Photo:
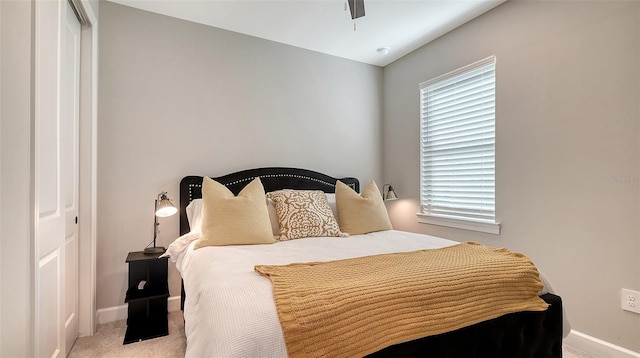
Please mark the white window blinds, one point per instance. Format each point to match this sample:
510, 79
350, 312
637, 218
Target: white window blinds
457, 132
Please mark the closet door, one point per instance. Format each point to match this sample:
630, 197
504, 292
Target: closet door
69, 160
56, 177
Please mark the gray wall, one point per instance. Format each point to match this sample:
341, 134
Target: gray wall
178, 98
568, 155
15, 191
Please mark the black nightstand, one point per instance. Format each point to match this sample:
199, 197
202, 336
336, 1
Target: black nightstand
147, 300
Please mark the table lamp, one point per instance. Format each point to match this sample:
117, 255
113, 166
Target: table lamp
163, 208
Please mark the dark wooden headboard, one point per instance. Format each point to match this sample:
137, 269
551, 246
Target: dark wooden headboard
273, 178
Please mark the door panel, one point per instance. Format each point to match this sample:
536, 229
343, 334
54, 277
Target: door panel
57, 54
69, 163
50, 218
47, 309
47, 141
71, 292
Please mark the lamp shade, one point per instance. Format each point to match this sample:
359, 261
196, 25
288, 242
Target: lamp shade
390, 195
165, 207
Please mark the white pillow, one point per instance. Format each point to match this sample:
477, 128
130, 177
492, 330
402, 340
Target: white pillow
331, 198
194, 215
273, 217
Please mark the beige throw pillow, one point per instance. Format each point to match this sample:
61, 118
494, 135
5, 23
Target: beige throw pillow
304, 213
361, 214
234, 220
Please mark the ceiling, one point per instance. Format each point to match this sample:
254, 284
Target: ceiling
324, 25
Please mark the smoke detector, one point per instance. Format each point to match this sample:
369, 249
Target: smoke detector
383, 50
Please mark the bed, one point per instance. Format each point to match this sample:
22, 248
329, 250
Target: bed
219, 322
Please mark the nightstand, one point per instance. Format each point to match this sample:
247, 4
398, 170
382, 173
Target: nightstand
147, 297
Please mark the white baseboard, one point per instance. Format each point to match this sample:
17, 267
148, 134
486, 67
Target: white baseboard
119, 313
111, 314
597, 347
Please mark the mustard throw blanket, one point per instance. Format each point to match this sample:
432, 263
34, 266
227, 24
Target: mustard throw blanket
353, 307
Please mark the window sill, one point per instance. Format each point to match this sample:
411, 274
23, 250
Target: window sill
460, 223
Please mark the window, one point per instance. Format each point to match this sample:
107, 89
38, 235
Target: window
457, 139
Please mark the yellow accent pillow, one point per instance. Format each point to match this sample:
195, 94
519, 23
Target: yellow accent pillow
361, 214
234, 220
304, 213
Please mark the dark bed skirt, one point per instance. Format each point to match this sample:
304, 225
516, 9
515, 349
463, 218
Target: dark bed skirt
521, 334
515, 335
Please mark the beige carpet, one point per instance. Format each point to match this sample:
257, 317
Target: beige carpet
107, 343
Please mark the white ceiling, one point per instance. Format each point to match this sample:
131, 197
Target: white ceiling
324, 25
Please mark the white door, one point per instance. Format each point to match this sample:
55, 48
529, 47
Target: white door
69, 160
56, 183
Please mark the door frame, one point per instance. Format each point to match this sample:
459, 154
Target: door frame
88, 168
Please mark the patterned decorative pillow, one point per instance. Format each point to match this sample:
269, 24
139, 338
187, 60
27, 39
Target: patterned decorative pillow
304, 213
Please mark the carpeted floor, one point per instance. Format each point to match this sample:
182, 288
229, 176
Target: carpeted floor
107, 343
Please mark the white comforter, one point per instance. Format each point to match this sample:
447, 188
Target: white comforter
229, 308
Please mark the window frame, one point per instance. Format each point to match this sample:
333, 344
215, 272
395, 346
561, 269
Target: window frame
473, 222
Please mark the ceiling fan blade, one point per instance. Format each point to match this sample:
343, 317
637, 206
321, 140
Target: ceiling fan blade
357, 8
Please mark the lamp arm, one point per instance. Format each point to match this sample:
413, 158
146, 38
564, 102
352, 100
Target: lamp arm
155, 223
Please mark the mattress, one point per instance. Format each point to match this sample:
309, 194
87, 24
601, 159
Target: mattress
229, 308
